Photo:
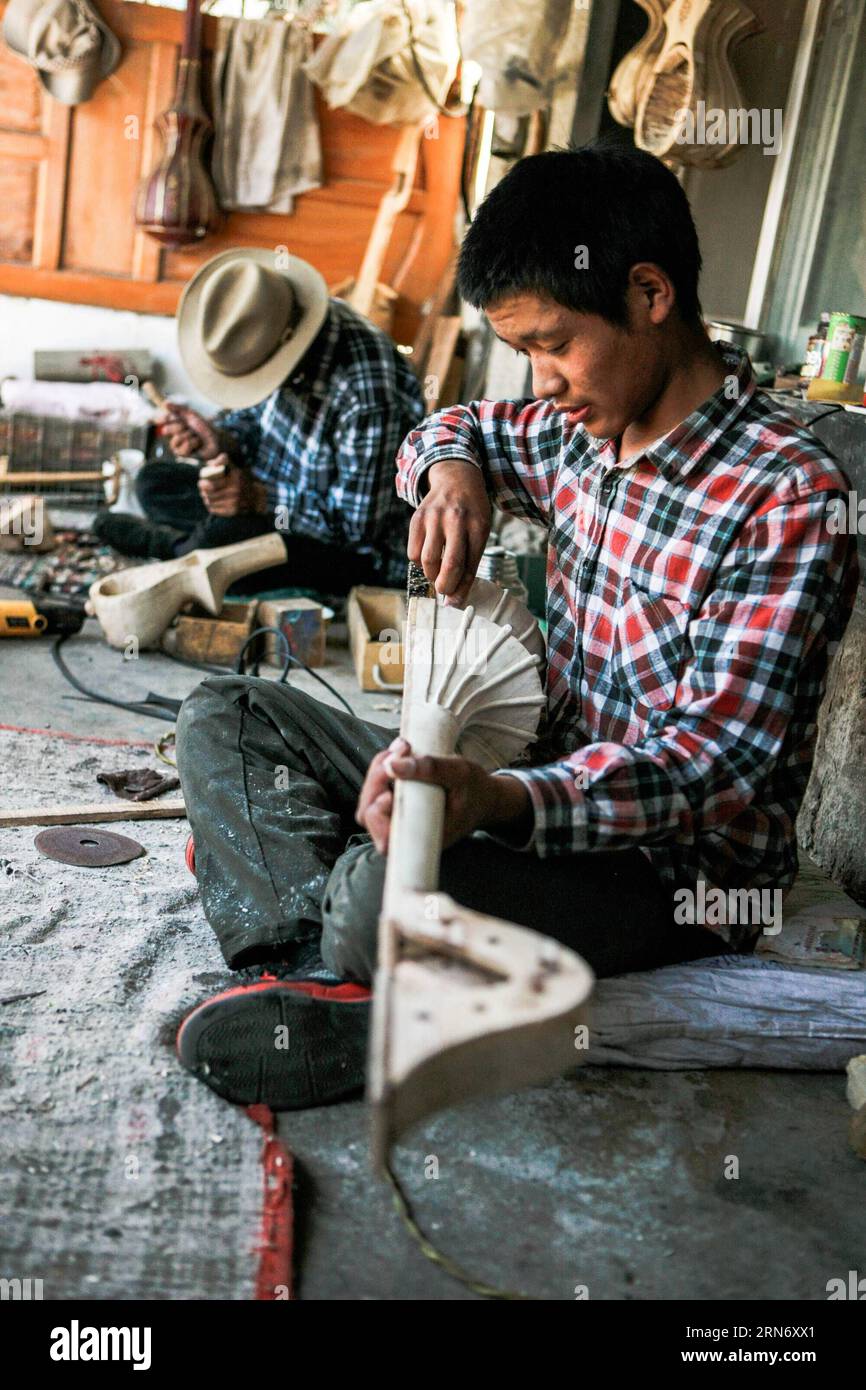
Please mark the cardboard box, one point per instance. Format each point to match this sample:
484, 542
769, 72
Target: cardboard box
376, 618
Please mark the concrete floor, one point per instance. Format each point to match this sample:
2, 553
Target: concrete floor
610, 1179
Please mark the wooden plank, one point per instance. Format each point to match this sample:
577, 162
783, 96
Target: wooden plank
75, 287
104, 168
17, 206
48, 220
20, 92
21, 144
446, 333
92, 814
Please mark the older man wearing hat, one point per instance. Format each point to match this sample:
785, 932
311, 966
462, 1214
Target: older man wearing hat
316, 401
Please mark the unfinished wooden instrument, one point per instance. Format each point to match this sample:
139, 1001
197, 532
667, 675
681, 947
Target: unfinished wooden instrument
693, 66
634, 71
140, 603
368, 294
464, 1004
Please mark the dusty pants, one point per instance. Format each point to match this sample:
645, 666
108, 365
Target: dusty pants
271, 778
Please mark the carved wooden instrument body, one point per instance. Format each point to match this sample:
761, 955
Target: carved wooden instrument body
464, 1004
141, 602
683, 59
367, 293
634, 71
176, 203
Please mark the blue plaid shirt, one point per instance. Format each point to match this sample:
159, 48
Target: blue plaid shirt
324, 443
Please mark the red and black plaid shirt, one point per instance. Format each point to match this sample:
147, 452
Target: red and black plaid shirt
695, 594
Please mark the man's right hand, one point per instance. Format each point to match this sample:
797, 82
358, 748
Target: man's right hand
188, 434
450, 528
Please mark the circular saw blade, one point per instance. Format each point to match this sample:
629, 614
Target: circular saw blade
86, 846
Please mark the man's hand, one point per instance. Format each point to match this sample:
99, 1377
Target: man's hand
450, 528
234, 493
474, 799
189, 435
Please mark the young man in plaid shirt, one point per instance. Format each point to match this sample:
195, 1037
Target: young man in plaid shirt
695, 596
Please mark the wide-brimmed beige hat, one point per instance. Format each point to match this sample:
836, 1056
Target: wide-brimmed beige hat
243, 325
66, 41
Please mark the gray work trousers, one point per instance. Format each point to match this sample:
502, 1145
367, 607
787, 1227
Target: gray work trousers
271, 778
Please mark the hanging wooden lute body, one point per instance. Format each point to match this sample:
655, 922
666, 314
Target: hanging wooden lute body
634, 71
177, 204
692, 66
463, 1004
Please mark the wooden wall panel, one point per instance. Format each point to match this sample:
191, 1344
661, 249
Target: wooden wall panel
20, 100
83, 246
104, 169
18, 180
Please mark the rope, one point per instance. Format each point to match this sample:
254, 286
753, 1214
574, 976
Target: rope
445, 1263
161, 744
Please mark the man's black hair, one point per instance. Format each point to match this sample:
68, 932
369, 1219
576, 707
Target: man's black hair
619, 203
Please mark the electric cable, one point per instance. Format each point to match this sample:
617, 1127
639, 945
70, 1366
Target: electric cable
161, 710
162, 706
449, 1266
291, 660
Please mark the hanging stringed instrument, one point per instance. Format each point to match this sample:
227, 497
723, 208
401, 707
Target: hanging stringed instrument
177, 204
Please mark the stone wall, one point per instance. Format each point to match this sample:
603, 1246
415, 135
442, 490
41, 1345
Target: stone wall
832, 822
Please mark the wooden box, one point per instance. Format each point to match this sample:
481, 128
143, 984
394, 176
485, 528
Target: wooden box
376, 618
196, 636
305, 625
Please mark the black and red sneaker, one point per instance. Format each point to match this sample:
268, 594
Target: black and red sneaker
287, 1044
189, 855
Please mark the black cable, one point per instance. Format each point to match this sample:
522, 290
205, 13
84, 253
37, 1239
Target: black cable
291, 660
162, 706
135, 706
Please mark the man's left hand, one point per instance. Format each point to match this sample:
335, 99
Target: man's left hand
235, 493
474, 799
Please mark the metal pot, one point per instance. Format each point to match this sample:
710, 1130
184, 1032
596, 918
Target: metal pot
749, 339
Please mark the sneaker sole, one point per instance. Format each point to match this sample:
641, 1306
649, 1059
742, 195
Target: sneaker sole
232, 1044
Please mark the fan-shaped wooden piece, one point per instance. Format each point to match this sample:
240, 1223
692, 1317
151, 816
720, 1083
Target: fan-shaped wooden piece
501, 606
463, 1004
676, 73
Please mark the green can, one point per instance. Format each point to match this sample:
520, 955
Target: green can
845, 337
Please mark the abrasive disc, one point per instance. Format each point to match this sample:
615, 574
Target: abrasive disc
86, 846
